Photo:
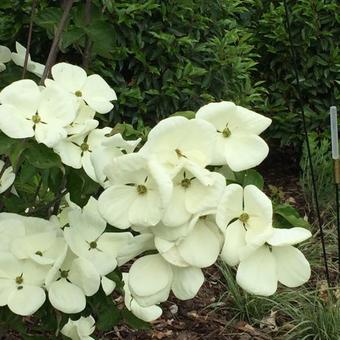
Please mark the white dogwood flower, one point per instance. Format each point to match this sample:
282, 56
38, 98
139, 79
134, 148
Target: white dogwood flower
237, 130
7, 178
245, 217
276, 261
5, 57
18, 58
93, 89
76, 150
87, 239
112, 147
186, 250
147, 314
26, 112
151, 278
80, 329
178, 143
191, 196
68, 282
21, 284
139, 192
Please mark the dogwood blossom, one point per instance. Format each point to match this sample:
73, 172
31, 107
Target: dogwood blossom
87, 239
21, 284
7, 177
190, 196
139, 192
245, 217
147, 314
69, 281
80, 329
237, 129
187, 250
26, 112
179, 143
76, 150
110, 148
5, 57
18, 58
261, 268
92, 89
151, 279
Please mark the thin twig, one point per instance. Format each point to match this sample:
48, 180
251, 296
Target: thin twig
54, 48
29, 39
88, 43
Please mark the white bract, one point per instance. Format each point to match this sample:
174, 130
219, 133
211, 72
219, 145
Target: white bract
87, 239
76, 150
179, 143
147, 314
80, 329
18, 58
276, 261
5, 57
236, 132
21, 284
245, 218
93, 89
27, 111
139, 192
7, 177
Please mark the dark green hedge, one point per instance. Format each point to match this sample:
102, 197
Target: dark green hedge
176, 55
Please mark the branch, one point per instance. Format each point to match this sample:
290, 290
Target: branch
54, 48
29, 39
88, 43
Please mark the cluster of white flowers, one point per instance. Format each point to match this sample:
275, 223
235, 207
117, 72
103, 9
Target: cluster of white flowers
183, 212
18, 58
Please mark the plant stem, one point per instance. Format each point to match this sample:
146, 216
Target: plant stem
29, 39
88, 43
54, 48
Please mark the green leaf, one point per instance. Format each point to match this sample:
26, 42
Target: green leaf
286, 216
250, 177
186, 114
42, 157
133, 321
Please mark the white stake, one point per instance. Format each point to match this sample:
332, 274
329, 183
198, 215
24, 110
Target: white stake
334, 132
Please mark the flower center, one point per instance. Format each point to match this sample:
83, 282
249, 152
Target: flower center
36, 119
185, 183
84, 147
93, 245
141, 189
19, 280
179, 153
244, 217
78, 93
226, 132
39, 253
64, 274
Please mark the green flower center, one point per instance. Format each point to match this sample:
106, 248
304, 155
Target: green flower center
141, 189
93, 245
186, 183
64, 274
84, 147
244, 217
19, 280
226, 132
39, 253
36, 119
78, 93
